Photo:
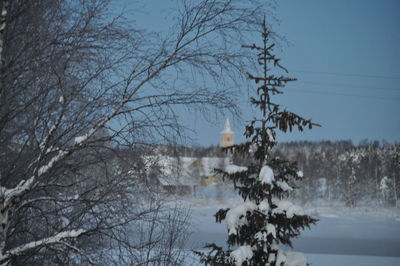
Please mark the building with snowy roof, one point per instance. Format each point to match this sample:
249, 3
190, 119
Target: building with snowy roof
182, 175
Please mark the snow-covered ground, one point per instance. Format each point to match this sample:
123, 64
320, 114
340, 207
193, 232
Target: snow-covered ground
343, 236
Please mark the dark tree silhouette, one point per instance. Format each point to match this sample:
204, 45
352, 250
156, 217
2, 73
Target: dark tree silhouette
265, 220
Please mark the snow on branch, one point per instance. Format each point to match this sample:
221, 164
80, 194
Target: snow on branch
45, 168
266, 175
284, 186
56, 239
233, 169
42, 144
288, 208
236, 217
242, 254
25, 185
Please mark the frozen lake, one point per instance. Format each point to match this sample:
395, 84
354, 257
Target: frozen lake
356, 235
339, 240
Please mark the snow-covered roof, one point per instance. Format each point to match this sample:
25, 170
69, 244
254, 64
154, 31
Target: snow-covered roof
227, 129
175, 181
184, 170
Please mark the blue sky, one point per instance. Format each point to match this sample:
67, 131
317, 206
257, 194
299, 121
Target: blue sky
354, 46
345, 55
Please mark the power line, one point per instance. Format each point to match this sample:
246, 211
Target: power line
347, 85
343, 94
347, 74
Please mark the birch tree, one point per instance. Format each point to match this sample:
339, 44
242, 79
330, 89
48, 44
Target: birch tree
75, 84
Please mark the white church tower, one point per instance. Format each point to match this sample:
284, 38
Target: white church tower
227, 135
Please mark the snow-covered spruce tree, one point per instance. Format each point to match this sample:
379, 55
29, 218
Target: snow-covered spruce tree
265, 220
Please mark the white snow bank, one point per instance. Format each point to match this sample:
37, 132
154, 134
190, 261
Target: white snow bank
232, 169
353, 260
291, 259
241, 254
295, 259
281, 257
266, 175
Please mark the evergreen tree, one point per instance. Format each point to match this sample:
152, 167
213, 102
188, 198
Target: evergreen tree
265, 220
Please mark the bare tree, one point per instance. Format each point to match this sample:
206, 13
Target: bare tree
77, 85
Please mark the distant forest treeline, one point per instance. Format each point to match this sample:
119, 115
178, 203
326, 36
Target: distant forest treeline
367, 173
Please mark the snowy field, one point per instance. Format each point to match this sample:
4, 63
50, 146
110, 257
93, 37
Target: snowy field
343, 236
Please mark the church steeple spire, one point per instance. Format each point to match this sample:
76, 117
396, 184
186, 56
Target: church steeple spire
227, 128
227, 135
